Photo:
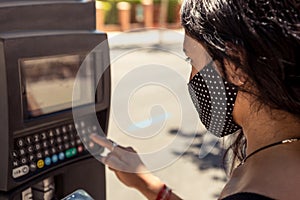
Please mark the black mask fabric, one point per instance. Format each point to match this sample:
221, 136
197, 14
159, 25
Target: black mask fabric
214, 100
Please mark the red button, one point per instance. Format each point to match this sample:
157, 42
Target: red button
79, 149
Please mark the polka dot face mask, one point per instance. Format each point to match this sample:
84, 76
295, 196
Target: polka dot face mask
214, 100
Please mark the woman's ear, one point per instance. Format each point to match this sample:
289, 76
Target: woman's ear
234, 73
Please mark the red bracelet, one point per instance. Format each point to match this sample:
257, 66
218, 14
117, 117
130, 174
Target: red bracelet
161, 192
164, 193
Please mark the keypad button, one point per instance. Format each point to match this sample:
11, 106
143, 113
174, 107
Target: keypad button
76, 126
58, 140
72, 136
47, 161
20, 171
57, 131
43, 136
67, 145
72, 143
36, 138
39, 155
45, 144
23, 161
52, 141
51, 133
71, 152
54, 158
15, 154
40, 164
31, 158
61, 156
20, 142
80, 149
65, 137
32, 167
37, 147
16, 163
22, 152
53, 150
29, 140
30, 149
78, 142
71, 127
64, 129
60, 147
46, 153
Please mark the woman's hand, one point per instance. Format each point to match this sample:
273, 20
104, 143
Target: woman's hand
129, 168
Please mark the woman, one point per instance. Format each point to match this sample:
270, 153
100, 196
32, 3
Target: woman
254, 46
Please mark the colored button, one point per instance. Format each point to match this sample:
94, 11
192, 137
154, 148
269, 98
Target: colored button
61, 156
71, 152
40, 164
47, 161
79, 149
54, 158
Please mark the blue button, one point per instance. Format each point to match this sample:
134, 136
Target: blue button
54, 158
61, 156
47, 161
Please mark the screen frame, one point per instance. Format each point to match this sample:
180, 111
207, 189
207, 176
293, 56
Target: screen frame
25, 111
40, 44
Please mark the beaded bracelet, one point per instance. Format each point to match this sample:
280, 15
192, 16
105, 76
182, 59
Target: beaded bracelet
164, 193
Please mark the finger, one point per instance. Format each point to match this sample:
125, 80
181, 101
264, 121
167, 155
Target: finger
114, 163
102, 141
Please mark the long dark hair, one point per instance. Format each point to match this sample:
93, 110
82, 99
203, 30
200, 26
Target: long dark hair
268, 32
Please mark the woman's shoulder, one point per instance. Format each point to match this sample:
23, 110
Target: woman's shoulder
246, 196
264, 179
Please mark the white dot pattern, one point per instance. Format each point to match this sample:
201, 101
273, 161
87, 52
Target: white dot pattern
214, 100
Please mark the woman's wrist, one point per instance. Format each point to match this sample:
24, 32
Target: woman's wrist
151, 187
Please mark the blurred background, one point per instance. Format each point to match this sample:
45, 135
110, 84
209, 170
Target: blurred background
122, 15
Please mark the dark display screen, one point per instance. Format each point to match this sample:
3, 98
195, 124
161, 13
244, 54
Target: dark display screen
49, 83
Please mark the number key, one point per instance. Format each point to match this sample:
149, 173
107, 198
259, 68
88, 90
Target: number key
29, 140
36, 138
43, 136
20, 142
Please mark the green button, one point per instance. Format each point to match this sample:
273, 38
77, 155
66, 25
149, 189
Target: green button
71, 152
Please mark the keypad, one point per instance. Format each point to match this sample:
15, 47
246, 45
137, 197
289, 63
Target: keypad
50, 147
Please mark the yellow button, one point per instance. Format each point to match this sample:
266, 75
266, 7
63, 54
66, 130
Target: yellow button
40, 164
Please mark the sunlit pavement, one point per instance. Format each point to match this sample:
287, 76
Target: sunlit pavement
180, 168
